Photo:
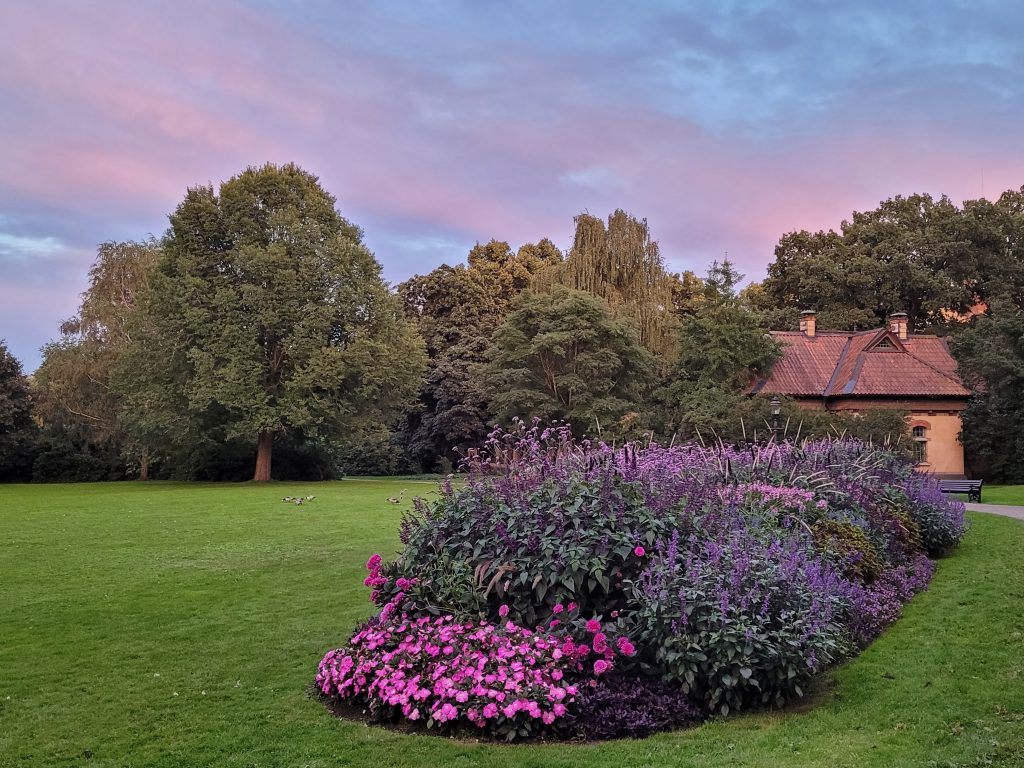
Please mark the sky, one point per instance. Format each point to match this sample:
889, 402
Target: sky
438, 124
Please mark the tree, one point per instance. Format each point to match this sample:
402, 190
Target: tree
912, 254
990, 354
267, 316
456, 316
74, 385
620, 264
457, 310
16, 425
722, 349
560, 355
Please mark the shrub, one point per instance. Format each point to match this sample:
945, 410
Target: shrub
874, 607
941, 522
850, 547
503, 679
717, 579
740, 619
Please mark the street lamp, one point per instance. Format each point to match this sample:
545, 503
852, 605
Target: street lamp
776, 411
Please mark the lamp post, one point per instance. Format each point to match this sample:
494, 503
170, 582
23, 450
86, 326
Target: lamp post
776, 426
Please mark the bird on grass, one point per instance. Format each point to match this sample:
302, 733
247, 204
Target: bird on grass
297, 500
397, 499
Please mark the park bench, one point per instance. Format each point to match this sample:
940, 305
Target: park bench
971, 487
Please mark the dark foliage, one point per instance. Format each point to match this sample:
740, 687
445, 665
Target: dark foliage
622, 706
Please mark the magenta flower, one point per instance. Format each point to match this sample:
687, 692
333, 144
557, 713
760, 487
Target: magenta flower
626, 648
601, 666
558, 608
639, 551
593, 626
503, 611
373, 563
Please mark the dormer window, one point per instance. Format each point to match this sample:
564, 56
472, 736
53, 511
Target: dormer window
884, 344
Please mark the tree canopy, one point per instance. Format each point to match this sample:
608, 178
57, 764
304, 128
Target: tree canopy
621, 264
74, 383
267, 316
561, 355
16, 423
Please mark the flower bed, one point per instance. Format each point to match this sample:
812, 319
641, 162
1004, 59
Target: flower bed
576, 590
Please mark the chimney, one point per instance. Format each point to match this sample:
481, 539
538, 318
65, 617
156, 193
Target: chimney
808, 322
898, 324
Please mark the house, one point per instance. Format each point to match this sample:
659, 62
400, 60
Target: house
880, 368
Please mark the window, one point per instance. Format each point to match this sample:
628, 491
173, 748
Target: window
919, 445
884, 344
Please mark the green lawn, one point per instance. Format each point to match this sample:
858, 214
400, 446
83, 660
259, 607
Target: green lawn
178, 625
1002, 494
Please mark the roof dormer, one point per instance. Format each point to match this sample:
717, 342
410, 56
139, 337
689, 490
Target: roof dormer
885, 341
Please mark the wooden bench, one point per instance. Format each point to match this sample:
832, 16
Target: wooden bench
971, 487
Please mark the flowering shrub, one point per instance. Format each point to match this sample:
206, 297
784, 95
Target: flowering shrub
504, 679
715, 579
876, 606
740, 619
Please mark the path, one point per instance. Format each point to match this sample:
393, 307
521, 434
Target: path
998, 509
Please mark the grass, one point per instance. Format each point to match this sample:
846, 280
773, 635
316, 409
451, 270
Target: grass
1002, 494
178, 625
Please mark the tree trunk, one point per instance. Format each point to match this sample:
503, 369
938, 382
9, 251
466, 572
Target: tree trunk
264, 447
144, 466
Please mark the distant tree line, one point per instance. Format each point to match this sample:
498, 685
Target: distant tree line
257, 339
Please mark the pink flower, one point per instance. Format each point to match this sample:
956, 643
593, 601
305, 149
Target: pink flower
503, 611
600, 643
639, 551
403, 584
601, 666
491, 710
626, 648
373, 563
571, 607
593, 626
448, 712
558, 608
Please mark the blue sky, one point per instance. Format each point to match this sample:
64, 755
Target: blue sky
440, 124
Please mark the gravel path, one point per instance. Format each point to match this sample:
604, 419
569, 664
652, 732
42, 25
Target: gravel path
998, 509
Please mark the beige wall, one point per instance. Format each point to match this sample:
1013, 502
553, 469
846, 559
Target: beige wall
945, 454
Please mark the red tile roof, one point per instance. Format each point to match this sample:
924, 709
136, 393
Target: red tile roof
866, 364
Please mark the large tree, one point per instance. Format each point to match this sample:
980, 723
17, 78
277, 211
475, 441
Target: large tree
16, 425
74, 382
912, 254
561, 355
268, 315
